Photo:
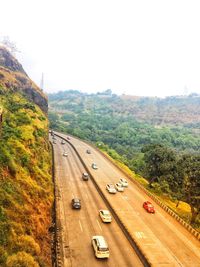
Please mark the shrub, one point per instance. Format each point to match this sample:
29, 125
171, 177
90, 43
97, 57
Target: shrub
21, 259
28, 244
2, 215
22, 118
4, 233
3, 256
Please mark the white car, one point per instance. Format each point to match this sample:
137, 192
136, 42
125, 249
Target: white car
119, 187
65, 154
123, 182
62, 142
105, 215
100, 247
111, 188
94, 166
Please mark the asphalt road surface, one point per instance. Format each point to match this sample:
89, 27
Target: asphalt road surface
78, 226
164, 241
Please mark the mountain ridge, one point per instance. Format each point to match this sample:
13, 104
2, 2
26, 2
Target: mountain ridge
172, 110
13, 76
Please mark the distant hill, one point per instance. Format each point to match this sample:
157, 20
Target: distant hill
125, 124
26, 190
174, 110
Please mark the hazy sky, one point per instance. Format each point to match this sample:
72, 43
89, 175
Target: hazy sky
143, 47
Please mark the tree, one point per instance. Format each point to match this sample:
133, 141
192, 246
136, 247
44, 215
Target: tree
190, 165
11, 46
160, 163
21, 259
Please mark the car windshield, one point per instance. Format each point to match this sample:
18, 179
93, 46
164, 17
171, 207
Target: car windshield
105, 212
103, 249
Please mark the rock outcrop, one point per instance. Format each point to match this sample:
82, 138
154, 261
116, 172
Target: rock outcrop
13, 76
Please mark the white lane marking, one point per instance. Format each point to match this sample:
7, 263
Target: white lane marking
140, 235
80, 225
125, 197
99, 225
72, 195
86, 195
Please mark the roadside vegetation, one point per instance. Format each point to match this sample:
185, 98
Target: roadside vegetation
158, 139
26, 190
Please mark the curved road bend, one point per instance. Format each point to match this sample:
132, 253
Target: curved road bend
78, 226
164, 240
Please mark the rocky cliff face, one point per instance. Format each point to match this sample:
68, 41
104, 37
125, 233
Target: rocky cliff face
13, 77
9, 62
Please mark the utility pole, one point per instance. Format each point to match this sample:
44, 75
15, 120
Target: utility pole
42, 82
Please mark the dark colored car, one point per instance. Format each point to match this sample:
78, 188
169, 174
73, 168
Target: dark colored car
147, 205
76, 203
85, 176
88, 151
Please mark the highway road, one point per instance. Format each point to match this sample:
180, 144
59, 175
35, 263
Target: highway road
164, 241
78, 226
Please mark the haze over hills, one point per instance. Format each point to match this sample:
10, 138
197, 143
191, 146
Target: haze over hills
26, 191
127, 123
174, 110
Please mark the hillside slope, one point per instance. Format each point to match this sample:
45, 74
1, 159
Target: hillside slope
174, 110
126, 124
26, 190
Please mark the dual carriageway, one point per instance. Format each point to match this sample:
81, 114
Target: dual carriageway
135, 237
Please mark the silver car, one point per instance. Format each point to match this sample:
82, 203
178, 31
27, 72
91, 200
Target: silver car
111, 188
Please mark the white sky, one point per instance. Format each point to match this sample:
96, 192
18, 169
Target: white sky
143, 47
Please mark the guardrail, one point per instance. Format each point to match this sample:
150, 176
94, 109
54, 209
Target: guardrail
187, 226
57, 240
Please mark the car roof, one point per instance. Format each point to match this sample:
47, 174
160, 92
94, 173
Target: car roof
101, 241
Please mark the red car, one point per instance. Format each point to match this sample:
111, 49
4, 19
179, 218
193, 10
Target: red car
148, 207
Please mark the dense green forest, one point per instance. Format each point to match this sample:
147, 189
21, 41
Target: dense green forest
135, 130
